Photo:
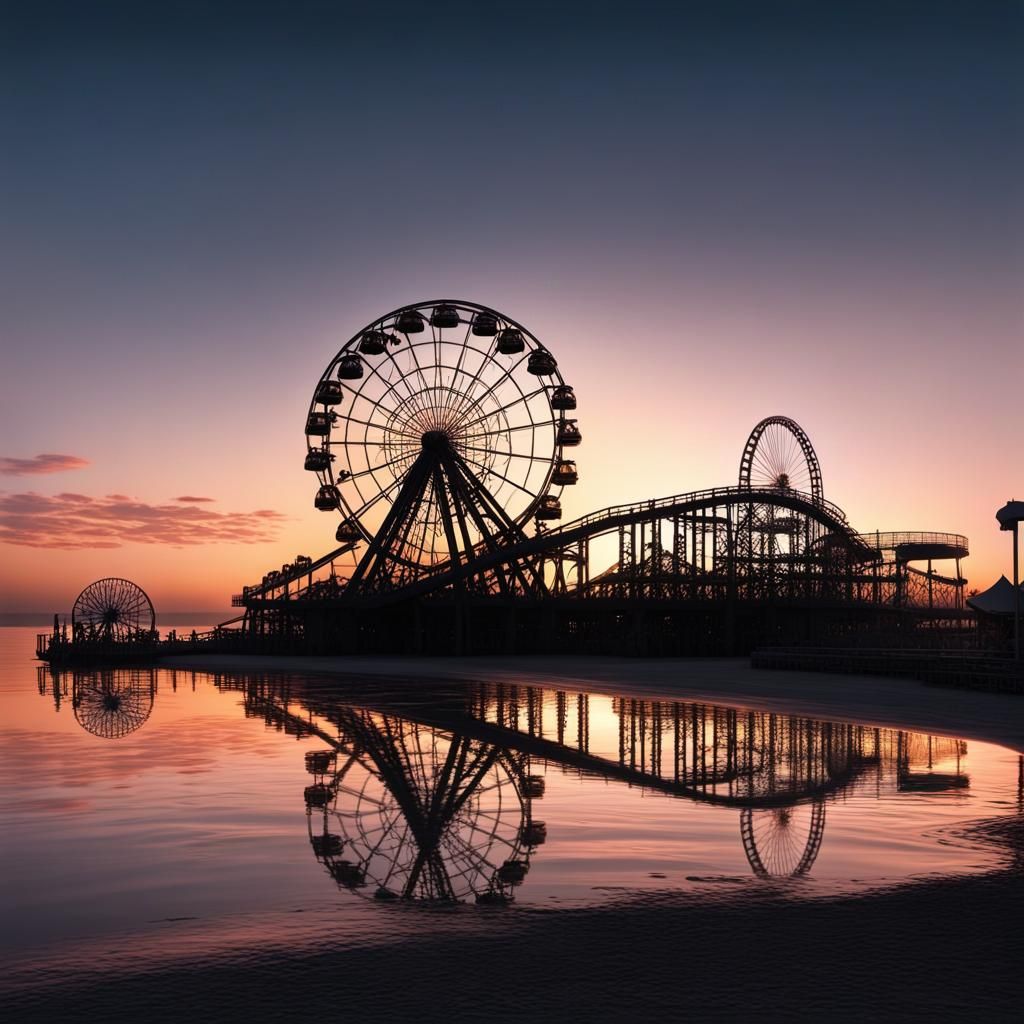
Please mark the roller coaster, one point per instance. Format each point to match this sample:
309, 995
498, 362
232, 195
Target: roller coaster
440, 433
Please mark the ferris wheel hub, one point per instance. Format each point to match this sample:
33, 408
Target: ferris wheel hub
436, 441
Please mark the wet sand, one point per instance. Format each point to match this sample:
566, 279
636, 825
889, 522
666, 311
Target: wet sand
869, 700
941, 950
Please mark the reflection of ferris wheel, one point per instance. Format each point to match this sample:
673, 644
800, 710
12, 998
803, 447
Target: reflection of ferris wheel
421, 815
439, 428
115, 702
779, 456
783, 842
112, 609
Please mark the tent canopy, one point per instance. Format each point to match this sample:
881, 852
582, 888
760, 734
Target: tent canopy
997, 600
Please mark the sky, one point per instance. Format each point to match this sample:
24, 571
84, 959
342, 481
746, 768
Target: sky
710, 214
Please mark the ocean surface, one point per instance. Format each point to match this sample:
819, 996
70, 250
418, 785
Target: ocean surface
152, 816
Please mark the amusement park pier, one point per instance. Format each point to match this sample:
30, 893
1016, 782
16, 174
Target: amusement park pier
441, 437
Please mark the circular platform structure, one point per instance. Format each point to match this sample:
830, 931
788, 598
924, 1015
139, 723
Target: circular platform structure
919, 547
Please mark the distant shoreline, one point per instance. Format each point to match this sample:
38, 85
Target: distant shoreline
869, 700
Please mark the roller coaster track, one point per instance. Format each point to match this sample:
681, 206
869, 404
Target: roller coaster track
830, 516
558, 753
296, 575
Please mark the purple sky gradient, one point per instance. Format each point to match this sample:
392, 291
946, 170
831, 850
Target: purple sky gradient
709, 216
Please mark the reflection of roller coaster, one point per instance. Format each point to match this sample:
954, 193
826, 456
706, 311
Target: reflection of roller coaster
440, 434
435, 801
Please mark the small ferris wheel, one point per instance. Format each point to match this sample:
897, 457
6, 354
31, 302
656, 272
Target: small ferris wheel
783, 842
113, 610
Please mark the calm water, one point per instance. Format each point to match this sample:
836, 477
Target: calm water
158, 811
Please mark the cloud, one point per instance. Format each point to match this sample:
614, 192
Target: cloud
69, 520
40, 464
193, 499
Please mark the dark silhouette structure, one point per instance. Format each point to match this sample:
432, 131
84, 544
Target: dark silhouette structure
112, 621
441, 432
440, 437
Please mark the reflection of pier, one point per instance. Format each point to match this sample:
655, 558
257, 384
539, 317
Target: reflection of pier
916, 759
434, 800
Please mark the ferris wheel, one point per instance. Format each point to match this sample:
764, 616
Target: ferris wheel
779, 456
783, 842
410, 813
113, 609
440, 429
114, 702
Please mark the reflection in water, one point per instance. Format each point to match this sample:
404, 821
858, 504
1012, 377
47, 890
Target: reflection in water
427, 792
433, 800
420, 815
782, 841
109, 703
400, 810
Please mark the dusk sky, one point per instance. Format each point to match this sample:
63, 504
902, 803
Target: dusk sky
710, 213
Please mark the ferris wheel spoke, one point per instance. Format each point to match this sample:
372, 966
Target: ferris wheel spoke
505, 376
358, 395
360, 795
379, 496
512, 455
369, 424
463, 850
416, 362
375, 469
511, 430
504, 408
402, 375
389, 386
457, 368
493, 472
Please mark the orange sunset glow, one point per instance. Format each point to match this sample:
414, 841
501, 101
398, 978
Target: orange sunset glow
668, 389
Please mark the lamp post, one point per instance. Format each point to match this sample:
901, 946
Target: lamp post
1009, 518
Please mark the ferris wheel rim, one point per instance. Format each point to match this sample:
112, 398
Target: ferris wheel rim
135, 691
803, 442
114, 593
